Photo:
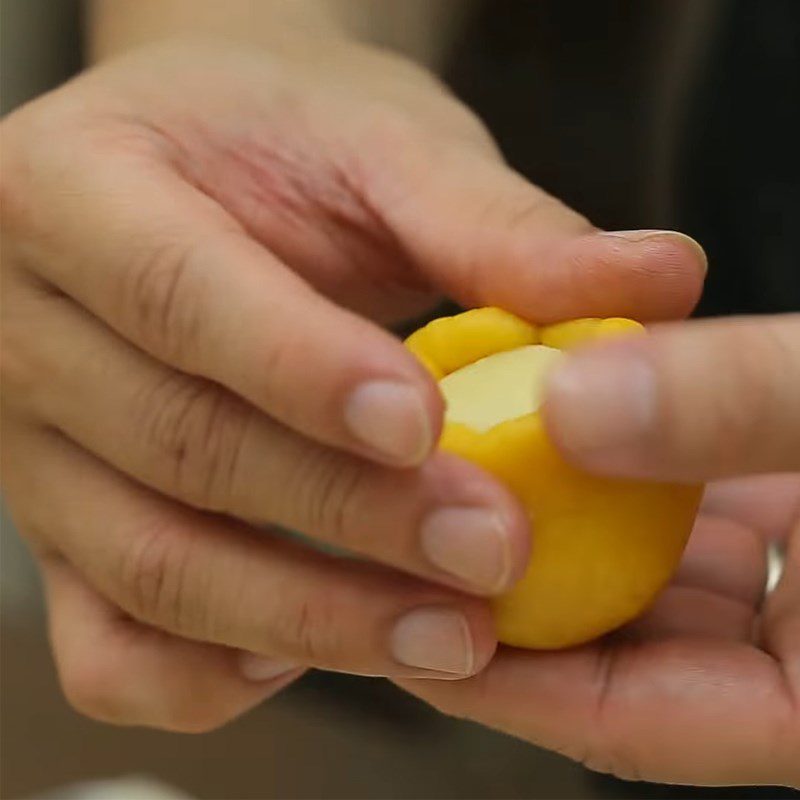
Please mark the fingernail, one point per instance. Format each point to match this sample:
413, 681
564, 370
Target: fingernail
648, 234
391, 418
471, 544
603, 401
437, 639
258, 668
641, 235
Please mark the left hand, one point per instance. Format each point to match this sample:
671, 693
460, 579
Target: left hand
192, 273
705, 689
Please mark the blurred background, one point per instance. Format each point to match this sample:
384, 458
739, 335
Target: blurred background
648, 113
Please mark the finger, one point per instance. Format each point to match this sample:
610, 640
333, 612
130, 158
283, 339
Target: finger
689, 611
717, 589
167, 268
726, 558
190, 438
487, 236
680, 711
769, 504
209, 579
780, 627
116, 670
693, 401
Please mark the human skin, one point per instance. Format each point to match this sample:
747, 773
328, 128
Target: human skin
706, 688
199, 243
113, 436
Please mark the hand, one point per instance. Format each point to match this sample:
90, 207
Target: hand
199, 242
705, 689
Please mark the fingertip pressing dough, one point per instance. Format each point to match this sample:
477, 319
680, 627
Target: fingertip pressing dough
602, 548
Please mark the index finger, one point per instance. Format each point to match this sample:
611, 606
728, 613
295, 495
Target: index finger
693, 401
769, 504
169, 269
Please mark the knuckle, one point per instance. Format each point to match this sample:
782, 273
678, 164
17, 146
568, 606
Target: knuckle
280, 357
198, 431
601, 749
308, 631
515, 216
155, 572
531, 208
330, 489
161, 298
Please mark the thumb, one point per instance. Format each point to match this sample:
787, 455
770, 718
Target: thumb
693, 401
484, 235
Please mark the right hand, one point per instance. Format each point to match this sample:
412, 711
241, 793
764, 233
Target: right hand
198, 244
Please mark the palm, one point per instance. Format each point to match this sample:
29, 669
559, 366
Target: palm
703, 689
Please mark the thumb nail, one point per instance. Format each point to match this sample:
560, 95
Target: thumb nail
647, 235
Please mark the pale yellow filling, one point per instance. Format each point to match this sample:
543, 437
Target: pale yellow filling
498, 388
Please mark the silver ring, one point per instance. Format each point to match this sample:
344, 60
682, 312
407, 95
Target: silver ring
776, 561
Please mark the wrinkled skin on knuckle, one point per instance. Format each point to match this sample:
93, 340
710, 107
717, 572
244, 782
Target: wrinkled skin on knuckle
601, 747
197, 431
279, 359
533, 208
153, 578
307, 631
160, 297
329, 493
